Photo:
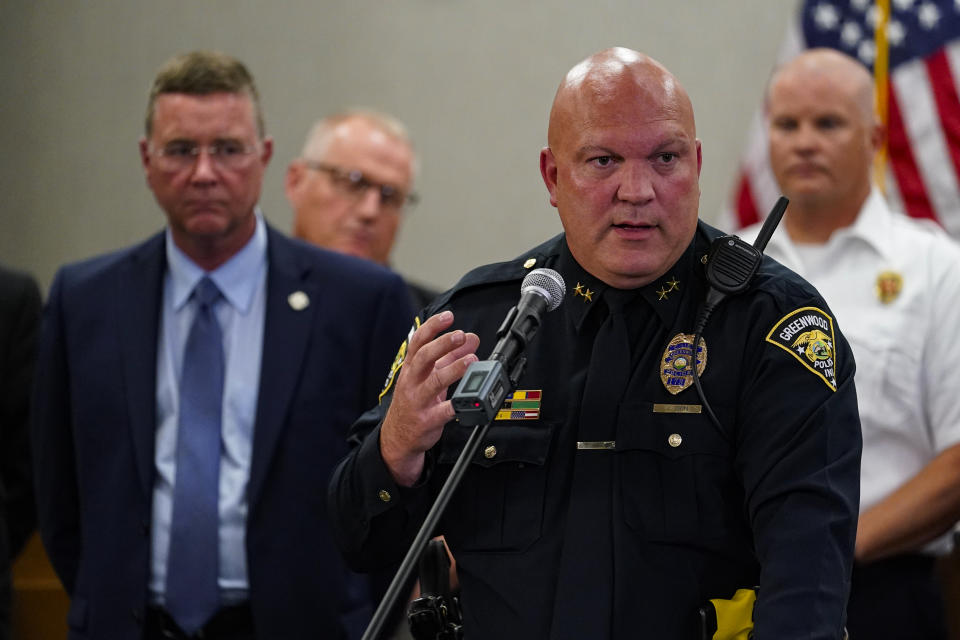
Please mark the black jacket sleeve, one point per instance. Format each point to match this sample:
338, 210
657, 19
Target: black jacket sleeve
19, 324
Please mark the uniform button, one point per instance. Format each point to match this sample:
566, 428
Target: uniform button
529, 263
490, 452
385, 495
674, 440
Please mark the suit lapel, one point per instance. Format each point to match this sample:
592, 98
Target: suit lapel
138, 314
286, 335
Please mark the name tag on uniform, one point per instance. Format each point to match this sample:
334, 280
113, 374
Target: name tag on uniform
677, 408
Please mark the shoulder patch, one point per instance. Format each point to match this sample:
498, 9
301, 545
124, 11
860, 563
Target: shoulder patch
807, 335
398, 361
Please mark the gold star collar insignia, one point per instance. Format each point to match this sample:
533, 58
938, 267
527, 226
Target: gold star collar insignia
671, 285
584, 293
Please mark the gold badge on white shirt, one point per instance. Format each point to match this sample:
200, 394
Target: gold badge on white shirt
889, 285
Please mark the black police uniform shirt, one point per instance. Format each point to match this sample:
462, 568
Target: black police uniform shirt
677, 512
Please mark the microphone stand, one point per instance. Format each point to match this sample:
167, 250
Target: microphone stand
510, 356
425, 533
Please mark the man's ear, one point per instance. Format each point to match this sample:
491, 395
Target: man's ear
144, 154
267, 152
296, 172
548, 169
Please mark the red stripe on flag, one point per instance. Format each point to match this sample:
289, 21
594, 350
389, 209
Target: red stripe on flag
912, 191
948, 104
746, 206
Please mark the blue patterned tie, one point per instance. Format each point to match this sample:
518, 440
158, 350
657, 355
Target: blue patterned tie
192, 595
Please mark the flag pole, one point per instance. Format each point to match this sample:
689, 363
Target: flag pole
881, 78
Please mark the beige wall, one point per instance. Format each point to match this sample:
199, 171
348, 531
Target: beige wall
473, 79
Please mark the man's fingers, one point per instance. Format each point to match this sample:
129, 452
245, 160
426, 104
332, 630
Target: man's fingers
443, 377
441, 413
429, 330
470, 344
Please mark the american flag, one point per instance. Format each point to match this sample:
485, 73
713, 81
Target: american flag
921, 175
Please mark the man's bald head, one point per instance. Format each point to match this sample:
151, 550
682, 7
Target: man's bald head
349, 187
622, 166
823, 134
841, 70
617, 76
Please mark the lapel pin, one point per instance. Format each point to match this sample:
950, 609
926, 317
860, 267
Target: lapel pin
298, 300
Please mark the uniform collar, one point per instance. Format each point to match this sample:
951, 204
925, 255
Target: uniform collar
872, 227
664, 294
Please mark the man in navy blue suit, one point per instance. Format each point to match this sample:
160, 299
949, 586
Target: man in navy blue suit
294, 343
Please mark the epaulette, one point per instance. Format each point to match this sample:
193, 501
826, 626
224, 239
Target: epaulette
498, 273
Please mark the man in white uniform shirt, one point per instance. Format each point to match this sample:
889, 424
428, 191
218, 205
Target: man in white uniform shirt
893, 284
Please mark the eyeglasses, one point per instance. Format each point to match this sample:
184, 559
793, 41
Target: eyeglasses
226, 154
355, 185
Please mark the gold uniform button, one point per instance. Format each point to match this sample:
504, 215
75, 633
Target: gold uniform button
385, 495
490, 452
674, 440
529, 263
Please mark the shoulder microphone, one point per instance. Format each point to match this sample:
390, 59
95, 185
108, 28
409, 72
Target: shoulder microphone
486, 383
731, 265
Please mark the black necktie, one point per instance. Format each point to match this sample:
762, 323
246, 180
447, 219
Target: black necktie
584, 603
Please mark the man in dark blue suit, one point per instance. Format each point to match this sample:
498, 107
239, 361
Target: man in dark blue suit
194, 391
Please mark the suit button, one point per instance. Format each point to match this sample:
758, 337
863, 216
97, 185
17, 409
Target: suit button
384, 495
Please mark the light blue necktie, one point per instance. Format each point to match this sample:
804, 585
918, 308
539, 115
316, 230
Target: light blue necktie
192, 595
